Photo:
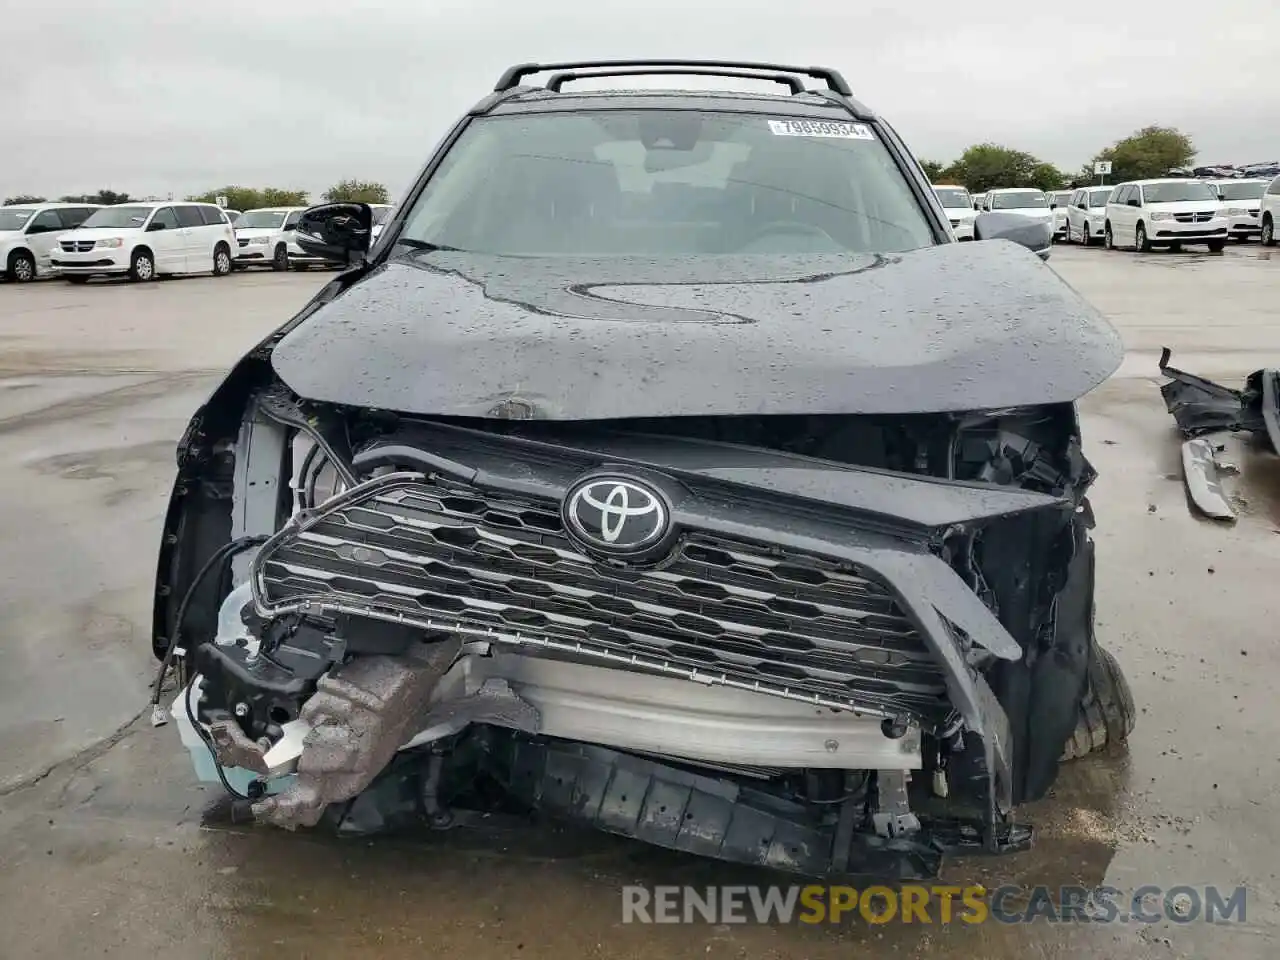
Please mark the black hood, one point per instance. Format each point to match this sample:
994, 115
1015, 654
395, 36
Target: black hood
948, 328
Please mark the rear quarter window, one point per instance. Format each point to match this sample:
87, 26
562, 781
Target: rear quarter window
212, 215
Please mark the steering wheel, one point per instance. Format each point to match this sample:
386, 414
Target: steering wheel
791, 227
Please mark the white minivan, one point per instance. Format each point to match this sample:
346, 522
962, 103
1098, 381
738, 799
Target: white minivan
263, 235
1024, 201
1058, 201
959, 207
1165, 213
1269, 212
29, 234
146, 240
1243, 202
1087, 214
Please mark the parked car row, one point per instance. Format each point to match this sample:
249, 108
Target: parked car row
1142, 214
146, 240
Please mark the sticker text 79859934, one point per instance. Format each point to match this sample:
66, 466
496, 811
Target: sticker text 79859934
821, 128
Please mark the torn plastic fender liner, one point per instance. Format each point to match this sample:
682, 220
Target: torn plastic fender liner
1201, 406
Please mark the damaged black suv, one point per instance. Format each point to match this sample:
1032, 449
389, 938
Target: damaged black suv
664, 465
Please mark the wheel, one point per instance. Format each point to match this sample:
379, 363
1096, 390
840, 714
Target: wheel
22, 267
1108, 238
1107, 713
1216, 246
1066, 237
143, 266
1268, 231
280, 261
1140, 242
221, 260
76, 279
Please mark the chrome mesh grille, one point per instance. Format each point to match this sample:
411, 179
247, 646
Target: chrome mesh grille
442, 555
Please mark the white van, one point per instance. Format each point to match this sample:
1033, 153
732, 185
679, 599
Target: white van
29, 234
263, 235
1166, 212
145, 240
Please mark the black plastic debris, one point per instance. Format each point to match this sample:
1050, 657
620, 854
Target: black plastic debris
1201, 406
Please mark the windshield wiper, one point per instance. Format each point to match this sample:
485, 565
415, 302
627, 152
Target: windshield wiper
426, 246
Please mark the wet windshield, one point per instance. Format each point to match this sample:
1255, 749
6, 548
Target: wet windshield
1242, 191
1098, 198
1019, 200
120, 217
14, 218
951, 197
1178, 191
667, 183
260, 220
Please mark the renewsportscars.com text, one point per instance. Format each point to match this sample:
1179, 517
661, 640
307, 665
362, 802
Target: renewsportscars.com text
931, 904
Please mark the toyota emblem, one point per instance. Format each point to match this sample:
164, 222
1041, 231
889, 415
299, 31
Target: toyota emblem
615, 515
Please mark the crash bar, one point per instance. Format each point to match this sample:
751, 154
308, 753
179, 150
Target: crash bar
512, 76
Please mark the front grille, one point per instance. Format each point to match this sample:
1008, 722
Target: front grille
76, 246
445, 556
1193, 217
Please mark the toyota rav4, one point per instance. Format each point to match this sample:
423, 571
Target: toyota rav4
666, 466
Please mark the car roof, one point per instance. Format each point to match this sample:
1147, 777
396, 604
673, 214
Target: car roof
48, 205
1018, 190
1155, 180
949, 186
272, 209
1230, 180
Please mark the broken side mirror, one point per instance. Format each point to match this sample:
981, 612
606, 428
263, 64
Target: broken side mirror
1034, 234
338, 232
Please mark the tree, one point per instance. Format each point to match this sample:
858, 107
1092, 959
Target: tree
1048, 177
356, 191
988, 165
932, 170
10, 201
254, 198
105, 197
1150, 152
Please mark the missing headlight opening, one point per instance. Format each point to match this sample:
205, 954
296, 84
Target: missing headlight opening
628, 542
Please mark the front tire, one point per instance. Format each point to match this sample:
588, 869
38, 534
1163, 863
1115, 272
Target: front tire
1108, 238
1216, 246
1107, 713
280, 260
221, 260
1140, 242
142, 267
1268, 237
22, 267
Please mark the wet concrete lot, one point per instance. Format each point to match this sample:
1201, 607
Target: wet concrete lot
110, 849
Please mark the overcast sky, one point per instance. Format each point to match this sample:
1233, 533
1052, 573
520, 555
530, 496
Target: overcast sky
181, 96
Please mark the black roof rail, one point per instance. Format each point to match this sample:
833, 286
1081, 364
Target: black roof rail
557, 80
497, 97
512, 76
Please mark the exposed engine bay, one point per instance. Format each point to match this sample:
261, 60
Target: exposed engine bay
830, 644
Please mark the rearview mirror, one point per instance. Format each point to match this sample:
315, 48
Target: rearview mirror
338, 232
1133, 202
1033, 233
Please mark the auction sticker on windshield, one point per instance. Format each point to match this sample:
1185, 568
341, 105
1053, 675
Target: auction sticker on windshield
821, 128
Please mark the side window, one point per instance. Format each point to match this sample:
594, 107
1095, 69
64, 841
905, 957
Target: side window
1077, 199
72, 217
1275, 187
291, 221
165, 217
46, 221
189, 217
211, 216
1122, 195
